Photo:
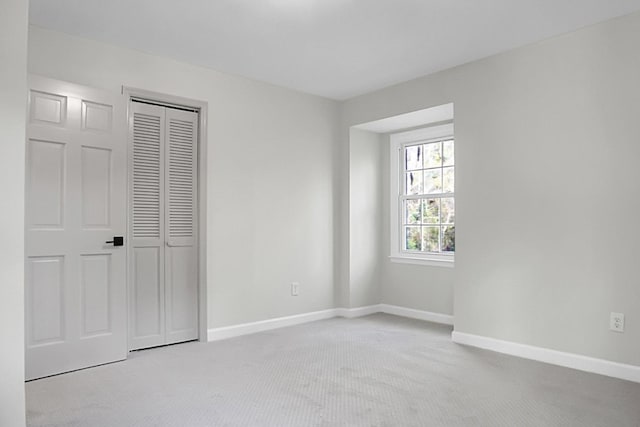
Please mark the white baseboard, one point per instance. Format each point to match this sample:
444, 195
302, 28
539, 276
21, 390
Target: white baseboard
216, 334
350, 313
554, 357
412, 313
225, 332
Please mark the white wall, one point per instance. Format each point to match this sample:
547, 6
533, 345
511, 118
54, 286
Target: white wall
270, 164
13, 87
546, 141
365, 217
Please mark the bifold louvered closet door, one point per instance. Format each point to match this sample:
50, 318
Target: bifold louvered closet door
163, 266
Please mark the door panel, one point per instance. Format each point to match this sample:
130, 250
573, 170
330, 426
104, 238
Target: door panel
182, 294
47, 108
96, 291
97, 117
147, 299
45, 294
181, 254
147, 288
76, 201
147, 179
96, 187
45, 184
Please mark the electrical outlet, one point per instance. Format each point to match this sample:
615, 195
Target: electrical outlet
616, 322
295, 288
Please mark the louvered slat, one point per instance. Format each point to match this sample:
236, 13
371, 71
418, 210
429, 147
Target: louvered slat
181, 178
146, 176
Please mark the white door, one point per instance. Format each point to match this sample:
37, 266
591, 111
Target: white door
163, 273
76, 203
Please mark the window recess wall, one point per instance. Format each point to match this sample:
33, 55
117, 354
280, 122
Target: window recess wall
163, 209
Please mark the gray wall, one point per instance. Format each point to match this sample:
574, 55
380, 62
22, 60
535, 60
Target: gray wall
13, 87
271, 177
413, 286
373, 278
365, 217
547, 188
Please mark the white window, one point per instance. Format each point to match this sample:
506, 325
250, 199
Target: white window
423, 196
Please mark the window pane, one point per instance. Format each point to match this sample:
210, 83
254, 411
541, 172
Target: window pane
448, 210
433, 181
413, 239
413, 157
431, 239
432, 155
449, 239
448, 180
430, 211
447, 153
412, 211
428, 223
414, 182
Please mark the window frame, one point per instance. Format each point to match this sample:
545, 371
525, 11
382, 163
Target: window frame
398, 141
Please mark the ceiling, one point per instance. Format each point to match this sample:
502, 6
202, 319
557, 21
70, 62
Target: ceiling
333, 48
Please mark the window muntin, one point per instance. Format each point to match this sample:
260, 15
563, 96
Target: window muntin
427, 200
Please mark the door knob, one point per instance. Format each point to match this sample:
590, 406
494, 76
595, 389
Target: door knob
117, 241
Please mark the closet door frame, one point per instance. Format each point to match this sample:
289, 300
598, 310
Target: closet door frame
201, 108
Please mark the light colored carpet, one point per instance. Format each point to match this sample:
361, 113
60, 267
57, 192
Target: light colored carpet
378, 370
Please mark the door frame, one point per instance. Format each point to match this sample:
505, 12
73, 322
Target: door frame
201, 107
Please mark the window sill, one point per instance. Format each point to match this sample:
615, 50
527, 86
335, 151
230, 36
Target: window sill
447, 262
